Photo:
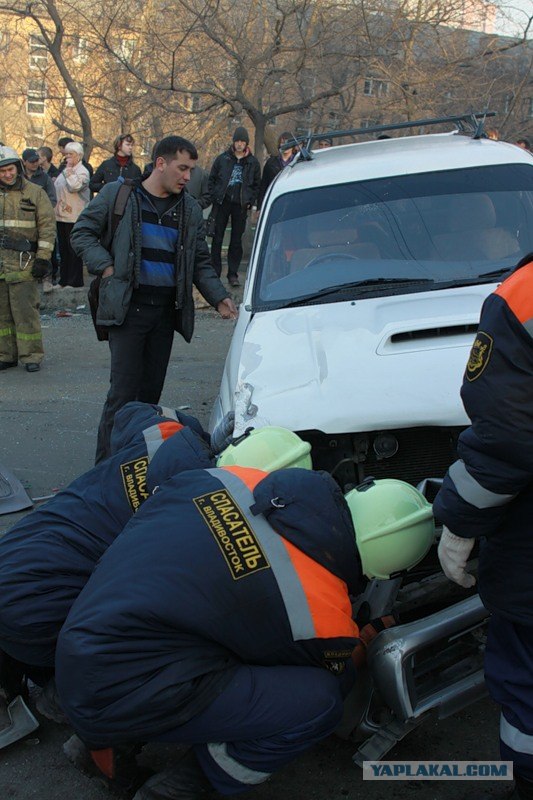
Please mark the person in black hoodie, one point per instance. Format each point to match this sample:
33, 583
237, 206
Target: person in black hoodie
274, 165
121, 164
233, 186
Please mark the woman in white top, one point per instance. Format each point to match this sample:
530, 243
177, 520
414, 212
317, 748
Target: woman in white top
73, 194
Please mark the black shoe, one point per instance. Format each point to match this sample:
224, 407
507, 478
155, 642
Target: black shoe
7, 364
115, 768
33, 367
185, 781
233, 280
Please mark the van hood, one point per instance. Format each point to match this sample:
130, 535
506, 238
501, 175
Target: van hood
349, 366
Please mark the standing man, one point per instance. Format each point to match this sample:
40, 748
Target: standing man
45, 162
27, 237
488, 496
148, 265
34, 173
120, 165
233, 185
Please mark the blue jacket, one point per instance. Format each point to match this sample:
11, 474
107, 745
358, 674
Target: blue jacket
221, 567
488, 492
47, 557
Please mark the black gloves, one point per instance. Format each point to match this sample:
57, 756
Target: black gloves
41, 267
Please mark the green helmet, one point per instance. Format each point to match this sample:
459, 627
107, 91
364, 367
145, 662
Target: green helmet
394, 526
268, 449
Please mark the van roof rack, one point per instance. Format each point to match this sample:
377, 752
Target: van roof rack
470, 124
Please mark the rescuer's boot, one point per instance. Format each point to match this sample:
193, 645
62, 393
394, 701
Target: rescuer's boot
114, 767
185, 781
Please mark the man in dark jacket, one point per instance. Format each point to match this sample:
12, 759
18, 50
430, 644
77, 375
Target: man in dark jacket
274, 165
120, 165
233, 186
148, 266
236, 638
35, 174
487, 496
47, 557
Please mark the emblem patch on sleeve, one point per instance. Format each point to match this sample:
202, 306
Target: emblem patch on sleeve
335, 660
134, 480
237, 542
479, 355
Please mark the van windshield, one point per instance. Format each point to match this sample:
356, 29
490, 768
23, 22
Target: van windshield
434, 230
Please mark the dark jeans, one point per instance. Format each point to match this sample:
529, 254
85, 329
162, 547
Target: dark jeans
140, 351
71, 266
238, 223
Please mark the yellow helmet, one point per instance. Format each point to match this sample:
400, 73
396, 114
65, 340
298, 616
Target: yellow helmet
268, 448
394, 526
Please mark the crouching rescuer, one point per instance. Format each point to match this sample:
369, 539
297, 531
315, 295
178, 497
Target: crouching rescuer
237, 640
27, 237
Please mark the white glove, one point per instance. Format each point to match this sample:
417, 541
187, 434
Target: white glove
223, 433
453, 555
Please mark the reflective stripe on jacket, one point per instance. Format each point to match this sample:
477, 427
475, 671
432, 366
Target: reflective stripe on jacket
25, 214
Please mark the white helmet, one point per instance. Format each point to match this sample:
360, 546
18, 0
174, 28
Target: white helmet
8, 156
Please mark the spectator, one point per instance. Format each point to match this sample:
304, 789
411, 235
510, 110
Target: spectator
120, 165
233, 185
274, 165
198, 187
72, 189
148, 267
45, 162
493, 133
62, 143
26, 244
324, 143
524, 144
35, 173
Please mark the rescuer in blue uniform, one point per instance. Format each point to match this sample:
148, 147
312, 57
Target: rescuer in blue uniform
239, 634
47, 557
487, 495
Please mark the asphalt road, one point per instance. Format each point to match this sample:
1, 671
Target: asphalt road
48, 422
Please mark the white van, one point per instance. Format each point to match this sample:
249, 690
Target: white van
370, 265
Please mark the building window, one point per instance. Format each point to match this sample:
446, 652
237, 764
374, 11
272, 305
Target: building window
35, 134
79, 49
125, 49
369, 123
36, 97
38, 52
508, 103
375, 88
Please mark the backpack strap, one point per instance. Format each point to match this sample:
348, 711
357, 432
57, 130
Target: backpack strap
121, 199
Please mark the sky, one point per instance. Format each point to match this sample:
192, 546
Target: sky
513, 18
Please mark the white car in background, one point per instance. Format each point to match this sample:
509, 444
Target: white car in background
370, 265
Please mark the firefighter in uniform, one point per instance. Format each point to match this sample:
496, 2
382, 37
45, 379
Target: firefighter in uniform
487, 496
239, 634
27, 238
47, 557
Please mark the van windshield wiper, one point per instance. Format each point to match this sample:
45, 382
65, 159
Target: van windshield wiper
368, 283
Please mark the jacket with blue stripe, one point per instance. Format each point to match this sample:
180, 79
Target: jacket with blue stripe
488, 492
47, 557
221, 567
